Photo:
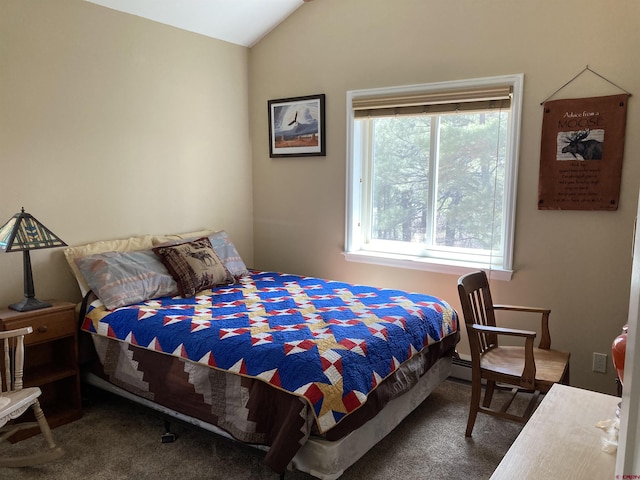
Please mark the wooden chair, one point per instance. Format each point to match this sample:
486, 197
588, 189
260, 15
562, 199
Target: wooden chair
524, 368
15, 400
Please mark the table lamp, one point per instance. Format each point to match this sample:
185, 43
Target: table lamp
24, 233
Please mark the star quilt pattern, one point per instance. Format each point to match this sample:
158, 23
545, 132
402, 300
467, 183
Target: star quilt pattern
327, 341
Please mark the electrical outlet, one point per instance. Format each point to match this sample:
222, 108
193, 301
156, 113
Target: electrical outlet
600, 362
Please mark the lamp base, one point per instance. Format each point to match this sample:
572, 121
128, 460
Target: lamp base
28, 304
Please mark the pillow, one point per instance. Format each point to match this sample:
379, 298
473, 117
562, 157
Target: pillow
194, 265
227, 252
124, 278
180, 237
123, 245
222, 245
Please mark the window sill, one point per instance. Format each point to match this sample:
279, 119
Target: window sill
426, 264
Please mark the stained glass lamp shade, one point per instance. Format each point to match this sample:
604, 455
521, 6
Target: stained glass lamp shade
24, 233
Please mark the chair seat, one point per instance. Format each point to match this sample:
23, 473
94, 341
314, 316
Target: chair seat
19, 401
551, 365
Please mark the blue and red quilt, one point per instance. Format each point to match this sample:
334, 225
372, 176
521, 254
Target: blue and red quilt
329, 342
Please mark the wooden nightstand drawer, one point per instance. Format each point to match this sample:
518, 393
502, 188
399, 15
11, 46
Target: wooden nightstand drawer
46, 328
47, 323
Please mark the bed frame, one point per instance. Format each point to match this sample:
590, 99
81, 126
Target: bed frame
326, 460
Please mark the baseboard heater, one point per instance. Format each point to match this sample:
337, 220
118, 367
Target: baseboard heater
461, 368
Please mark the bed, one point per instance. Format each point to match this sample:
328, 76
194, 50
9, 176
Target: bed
313, 371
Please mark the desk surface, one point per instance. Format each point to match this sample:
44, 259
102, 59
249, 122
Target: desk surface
560, 440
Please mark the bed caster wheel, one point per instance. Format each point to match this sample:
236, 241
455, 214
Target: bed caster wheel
168, 437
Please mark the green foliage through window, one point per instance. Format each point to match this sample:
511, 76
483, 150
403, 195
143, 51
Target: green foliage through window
467, 159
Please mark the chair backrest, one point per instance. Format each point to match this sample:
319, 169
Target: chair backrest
477, 308
12, 359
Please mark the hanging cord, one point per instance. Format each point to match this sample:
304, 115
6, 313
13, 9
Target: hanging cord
585, 69
495, 191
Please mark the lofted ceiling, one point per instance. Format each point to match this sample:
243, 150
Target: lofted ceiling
243, 22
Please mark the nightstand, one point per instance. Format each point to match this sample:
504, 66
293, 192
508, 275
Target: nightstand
51, 360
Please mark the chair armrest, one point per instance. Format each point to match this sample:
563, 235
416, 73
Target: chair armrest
545, 336
504, 331
528, 377
520, 308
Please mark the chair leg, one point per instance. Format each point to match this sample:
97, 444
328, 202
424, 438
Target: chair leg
44, 426
48, 455
476, 393
488, 393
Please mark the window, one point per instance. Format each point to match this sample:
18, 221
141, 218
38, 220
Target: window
432, 175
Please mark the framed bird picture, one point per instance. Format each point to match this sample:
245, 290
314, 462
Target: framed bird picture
296, 127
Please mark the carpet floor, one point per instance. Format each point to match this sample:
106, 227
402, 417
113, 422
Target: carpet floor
116, 439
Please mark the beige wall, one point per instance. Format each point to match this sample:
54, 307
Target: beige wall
110, 126
577, 263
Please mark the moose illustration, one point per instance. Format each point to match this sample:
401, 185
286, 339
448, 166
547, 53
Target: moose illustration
587, 149
203, 256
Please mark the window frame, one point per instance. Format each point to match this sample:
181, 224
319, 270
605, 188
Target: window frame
356, 154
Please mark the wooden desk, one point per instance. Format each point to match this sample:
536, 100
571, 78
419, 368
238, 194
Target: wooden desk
560, 440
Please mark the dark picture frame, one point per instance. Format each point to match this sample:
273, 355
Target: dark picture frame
297, 127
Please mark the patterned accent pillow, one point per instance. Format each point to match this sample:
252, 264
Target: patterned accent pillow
124, 278
227, 252
194, 265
